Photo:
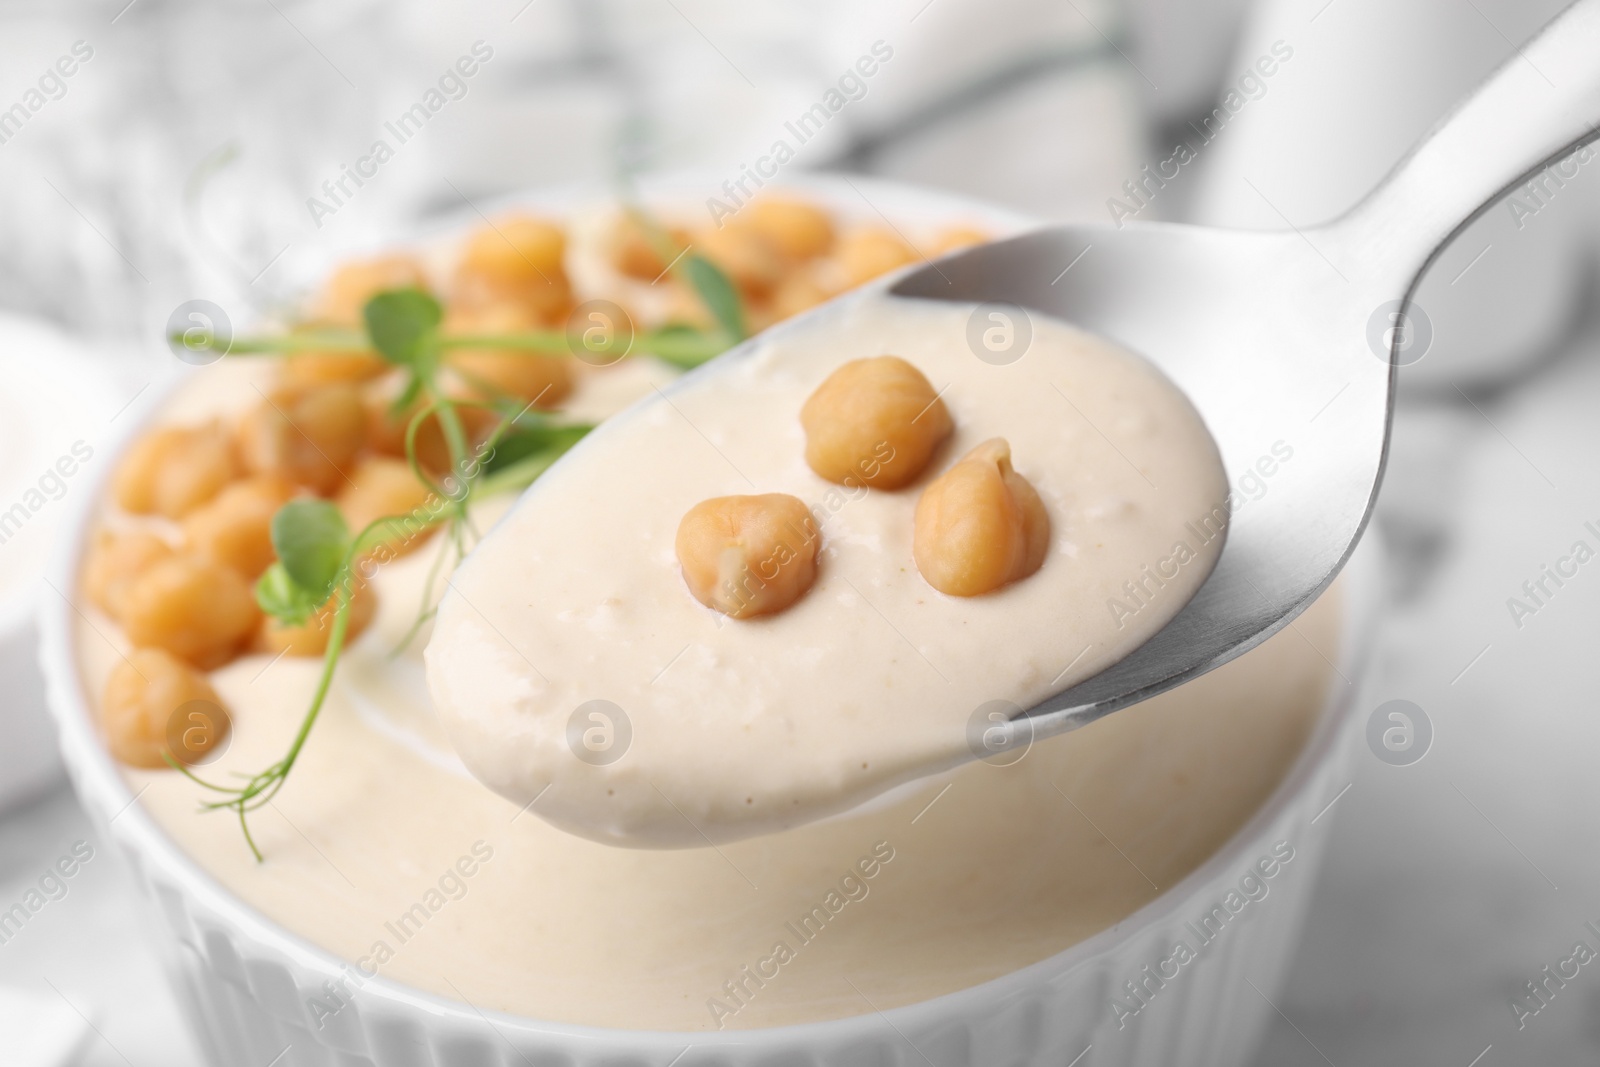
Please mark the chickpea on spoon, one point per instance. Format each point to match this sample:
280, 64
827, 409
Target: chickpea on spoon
873, 422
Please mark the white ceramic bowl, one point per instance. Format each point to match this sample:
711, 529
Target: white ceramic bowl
246, 982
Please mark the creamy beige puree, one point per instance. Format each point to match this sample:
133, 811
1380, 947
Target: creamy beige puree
576, 675
365, 845
389, 856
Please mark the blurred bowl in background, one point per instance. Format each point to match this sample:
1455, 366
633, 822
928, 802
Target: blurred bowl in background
53, 408
1366, 80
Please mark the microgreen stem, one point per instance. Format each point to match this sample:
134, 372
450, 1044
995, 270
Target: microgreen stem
426, 609
262, 788
553, 342
303, 341
681, 346
518, 475
330, 661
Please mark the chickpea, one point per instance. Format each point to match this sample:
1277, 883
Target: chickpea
635, 255
749, 260
309, 436
173, 470
493, 373
235, 529
758, 316
198, 610
875, 422
956, 238
517, 261
797, 229
980, 525
748, 555
304, 370
134, 484
147, 707
346, 293
311, 637
383, 487
386, 429
799, 291
517, 250
685, 307
115, 562
865, 254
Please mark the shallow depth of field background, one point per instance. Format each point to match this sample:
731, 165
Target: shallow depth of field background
180, 159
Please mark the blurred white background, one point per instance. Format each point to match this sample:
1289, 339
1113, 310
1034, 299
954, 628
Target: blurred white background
178, 159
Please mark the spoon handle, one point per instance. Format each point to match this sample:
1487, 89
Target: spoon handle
1535, 110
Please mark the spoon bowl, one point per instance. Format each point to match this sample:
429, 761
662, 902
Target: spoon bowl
1288, 343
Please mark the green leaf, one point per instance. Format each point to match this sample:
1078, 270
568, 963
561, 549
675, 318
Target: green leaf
685, 346
311, 540
707, 280
528, 439
284, 600
404, 325
524, 454
716, 292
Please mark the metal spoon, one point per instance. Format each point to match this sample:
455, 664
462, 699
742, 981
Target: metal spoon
1290, 337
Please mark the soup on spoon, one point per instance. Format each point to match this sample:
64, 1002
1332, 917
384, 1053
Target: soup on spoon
839, 562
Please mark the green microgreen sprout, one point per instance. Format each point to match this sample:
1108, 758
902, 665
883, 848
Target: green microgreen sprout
320, 562
710, 284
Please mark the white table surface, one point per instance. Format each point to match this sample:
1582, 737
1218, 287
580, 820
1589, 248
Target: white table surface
1454, 881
